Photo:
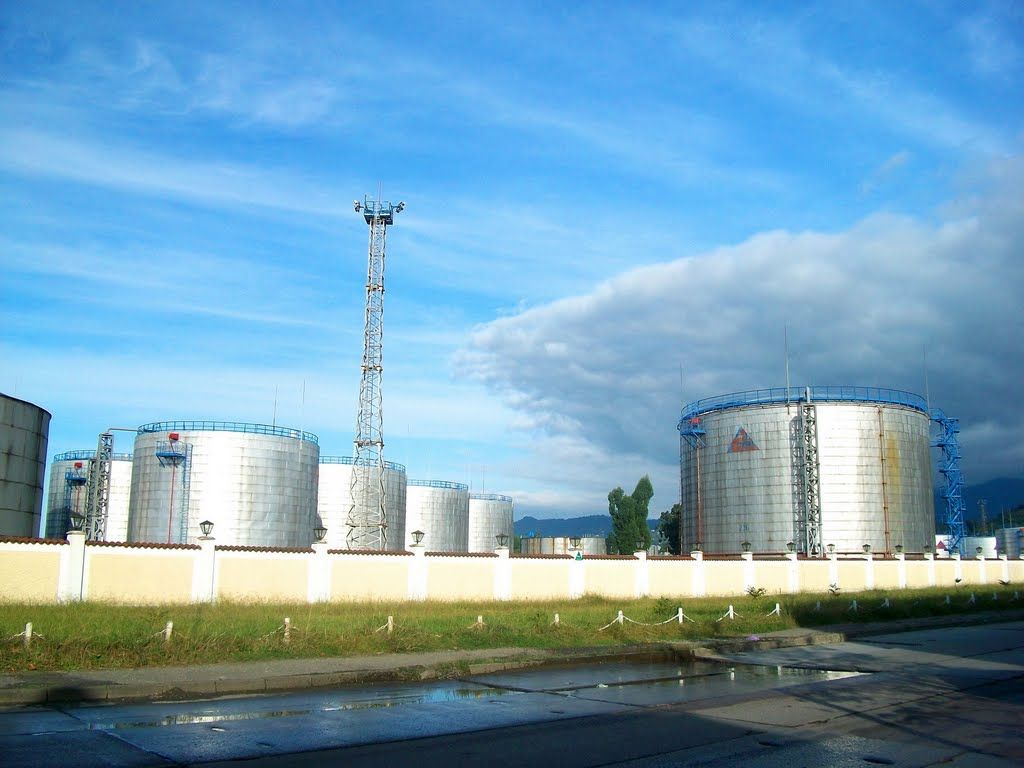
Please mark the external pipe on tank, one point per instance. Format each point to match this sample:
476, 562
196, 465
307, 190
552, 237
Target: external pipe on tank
885, 490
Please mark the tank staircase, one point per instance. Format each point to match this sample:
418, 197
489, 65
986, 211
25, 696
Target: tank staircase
949, 467
74, 481
177, 455
692, 432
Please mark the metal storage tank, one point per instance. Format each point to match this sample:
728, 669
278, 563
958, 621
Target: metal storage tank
1009, 542
441, 510
562, 545
489, 515
753, 463
987, 543
256, 483
334, 499
69, 475
24, 430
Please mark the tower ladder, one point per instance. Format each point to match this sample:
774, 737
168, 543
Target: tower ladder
810, 528
949, 467
98, 490
367, 522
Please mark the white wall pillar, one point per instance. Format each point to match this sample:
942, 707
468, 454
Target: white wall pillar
901, 570
203, 569
748, 571
698, 585
869, 571
71, 587
418, 573
982, 574
833, 569
793, 578
1004, 568
929, 560
502, 575
318, 587
958, 571
577, 576
641, 575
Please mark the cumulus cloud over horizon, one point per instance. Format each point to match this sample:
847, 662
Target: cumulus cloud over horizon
609, 369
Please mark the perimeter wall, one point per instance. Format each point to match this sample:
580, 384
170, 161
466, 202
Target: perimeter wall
58, 570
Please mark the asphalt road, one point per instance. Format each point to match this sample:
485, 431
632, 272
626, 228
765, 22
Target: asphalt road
953, 696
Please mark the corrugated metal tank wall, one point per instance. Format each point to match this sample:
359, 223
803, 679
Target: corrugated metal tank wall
441, 510
256, 483
24, 430
561, 545
489, 515
57, 516
334, 499
873, 456
1009, 542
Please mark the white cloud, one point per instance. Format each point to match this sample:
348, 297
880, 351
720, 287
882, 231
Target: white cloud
601, 370
164, 175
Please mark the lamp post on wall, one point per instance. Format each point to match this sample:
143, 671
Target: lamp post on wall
206, 527
502, 539
417, 537
320, 532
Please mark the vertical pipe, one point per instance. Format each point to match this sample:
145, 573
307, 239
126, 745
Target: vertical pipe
170, 506
700, 499
885, 489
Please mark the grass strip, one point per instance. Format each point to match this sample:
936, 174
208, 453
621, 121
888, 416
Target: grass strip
103, 635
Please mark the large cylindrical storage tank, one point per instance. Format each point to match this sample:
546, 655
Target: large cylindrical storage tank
749, 458
490, 514
24, 430
1010, 542
334, 499
440, 509
256, 483
69, 474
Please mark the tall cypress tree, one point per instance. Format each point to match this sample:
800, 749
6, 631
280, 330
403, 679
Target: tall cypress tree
629, 517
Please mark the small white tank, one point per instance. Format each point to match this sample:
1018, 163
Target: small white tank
440, 509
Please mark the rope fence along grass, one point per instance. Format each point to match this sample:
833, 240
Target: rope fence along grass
100, 635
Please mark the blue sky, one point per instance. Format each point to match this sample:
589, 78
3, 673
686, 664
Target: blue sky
611, 208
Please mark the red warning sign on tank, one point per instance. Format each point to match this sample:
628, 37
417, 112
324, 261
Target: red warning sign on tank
742, 442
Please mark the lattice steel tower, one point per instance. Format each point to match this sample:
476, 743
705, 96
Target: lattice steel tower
367, 526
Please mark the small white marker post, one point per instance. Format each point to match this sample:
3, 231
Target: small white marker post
947, 600
556, 621
287, 629
391, 624
777, 611
168, 631
26, 639
972, 599
885, 603
730, 614
817, 605
853, 606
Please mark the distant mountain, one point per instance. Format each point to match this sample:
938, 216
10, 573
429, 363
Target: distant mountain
1003, 493
589, 525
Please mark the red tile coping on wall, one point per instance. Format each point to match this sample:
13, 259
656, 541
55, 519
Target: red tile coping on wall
366, 552
541, 557
669, 557
29, 540
461, 554
246, 548
609, 557
140, 545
